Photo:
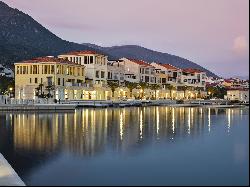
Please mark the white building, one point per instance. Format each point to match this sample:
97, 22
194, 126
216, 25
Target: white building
238, 94
116, 71
95, 65
167, 74
193, 77
139, 71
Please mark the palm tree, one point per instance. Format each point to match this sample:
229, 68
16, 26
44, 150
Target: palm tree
40, 89
155, 87
131, 86
170, 88
143, 86
184, 88
113, 85
49, 89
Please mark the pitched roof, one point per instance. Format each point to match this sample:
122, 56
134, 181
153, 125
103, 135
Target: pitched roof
169, 66
191, 70
48, 59
140, 62
81, 53
237, 89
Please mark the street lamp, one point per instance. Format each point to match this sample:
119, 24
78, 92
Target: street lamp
10, 91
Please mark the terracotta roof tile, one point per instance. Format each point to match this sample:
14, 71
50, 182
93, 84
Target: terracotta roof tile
81, 53
191, 70
140, 62
169, 66
47, 59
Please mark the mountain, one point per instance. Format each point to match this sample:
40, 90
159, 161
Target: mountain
138, 52
22, 37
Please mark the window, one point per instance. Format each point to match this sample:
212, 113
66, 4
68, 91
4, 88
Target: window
24, 70
63, 82
17, 70
97, 74
35, 69
52, 69
78, 71
41, 80
36, 80
109, 75
30, 80
58, 69
82, 71
102, 74
58, 81
91, 59
85, 60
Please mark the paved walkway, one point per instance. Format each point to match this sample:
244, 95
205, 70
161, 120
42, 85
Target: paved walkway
8, 176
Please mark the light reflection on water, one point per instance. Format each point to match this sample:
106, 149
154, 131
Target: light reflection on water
92, 132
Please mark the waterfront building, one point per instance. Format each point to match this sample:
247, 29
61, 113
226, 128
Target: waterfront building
95, 65
139, 71
47, 75
227, 83
193, 78
238, 95
116, 71
167, 74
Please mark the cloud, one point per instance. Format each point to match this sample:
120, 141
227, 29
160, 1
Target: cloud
240, 45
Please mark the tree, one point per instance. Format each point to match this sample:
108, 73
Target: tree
131, 86
155, 87
143, 86
184, 88
113, 85
49, 89
215, 91
5, 84
39, 89
170, 88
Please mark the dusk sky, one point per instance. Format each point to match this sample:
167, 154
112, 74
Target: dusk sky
212, 33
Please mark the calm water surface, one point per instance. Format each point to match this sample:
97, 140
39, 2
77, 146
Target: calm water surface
129, 146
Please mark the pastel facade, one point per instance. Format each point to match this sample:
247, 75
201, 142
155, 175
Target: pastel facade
116, 71
95, 65
167, 74
193, 78
47, 71
139, 71
238, 95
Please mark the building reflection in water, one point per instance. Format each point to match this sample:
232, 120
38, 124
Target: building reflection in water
90, 131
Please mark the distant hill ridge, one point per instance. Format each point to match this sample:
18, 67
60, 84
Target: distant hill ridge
22, 38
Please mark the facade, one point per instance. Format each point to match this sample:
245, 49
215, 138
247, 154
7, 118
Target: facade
238, 95
167, 74
193, 78
116, 71
139, 71
95, 65
47, 75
